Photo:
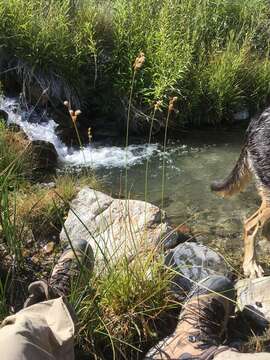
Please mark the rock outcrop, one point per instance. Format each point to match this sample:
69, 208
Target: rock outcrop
115, 227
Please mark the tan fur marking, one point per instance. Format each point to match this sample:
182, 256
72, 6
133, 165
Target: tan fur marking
251, 227
237, 186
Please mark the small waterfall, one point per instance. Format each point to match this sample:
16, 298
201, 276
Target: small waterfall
91, 155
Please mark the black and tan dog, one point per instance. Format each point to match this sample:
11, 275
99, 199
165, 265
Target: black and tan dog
254, 160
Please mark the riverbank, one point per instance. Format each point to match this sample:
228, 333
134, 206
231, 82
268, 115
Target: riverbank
212, 55
124, 306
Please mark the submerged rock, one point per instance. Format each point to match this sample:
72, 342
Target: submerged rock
193, 262
253, 298
115, 227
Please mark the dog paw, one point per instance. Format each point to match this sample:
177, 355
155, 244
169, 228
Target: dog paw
252, 270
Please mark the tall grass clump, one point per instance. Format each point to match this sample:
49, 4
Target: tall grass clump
118, 315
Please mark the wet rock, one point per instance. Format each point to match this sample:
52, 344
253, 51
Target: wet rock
192, 262
253, 298
44, 155
3, 116
184, 233
116, 227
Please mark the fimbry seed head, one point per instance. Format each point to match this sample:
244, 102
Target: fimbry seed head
78, 112
66, 103
139, 61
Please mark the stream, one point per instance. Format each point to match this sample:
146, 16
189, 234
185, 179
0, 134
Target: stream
188, 164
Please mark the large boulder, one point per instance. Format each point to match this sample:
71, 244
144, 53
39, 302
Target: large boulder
253, 298
115, 227
44, 155
191, 263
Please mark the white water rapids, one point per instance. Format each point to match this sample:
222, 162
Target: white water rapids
91, 155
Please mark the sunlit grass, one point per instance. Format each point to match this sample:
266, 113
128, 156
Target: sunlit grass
212, 54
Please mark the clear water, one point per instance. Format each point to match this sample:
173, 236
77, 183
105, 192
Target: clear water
190, 165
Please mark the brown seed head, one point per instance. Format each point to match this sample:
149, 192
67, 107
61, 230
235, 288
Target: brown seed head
90, 137
158, 105
172, 103
139, 61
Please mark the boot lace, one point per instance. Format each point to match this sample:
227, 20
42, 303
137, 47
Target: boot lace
60, 279
206, 318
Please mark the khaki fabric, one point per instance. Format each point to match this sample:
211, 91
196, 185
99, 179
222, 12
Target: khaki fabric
43, 331
232, 355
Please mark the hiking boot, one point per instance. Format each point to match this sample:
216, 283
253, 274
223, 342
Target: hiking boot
70, 267
202, 323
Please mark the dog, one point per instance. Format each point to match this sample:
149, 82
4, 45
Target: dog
254, 161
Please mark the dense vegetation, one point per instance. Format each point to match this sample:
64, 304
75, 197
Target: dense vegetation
213, 55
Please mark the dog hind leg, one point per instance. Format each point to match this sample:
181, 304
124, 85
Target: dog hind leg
251, 227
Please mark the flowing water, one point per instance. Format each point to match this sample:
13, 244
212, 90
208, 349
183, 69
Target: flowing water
189, 166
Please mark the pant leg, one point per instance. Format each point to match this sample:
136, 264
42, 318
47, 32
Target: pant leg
233, 355
43, 331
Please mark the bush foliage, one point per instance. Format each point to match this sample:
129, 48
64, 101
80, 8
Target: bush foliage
212, 54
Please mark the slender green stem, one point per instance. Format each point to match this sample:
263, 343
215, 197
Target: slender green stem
147, 161
127, 130
79, 140
163, 160
127, 138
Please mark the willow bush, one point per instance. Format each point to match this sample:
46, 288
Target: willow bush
212, 54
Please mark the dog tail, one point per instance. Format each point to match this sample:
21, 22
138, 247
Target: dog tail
237, 179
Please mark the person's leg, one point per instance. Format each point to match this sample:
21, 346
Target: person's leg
44, 329
202, 323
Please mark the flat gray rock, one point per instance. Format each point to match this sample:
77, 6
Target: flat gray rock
114, 227
193, 262
253, 297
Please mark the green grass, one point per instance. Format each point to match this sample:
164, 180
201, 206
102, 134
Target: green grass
118, 315
212, 54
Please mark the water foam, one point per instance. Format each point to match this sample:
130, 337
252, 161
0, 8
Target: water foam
91, 155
